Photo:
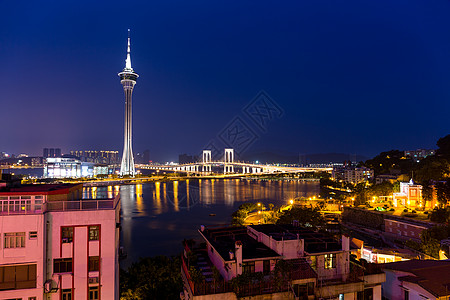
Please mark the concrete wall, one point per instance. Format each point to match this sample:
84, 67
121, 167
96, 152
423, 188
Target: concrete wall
32, 253
81, 248
391, 287
289, 249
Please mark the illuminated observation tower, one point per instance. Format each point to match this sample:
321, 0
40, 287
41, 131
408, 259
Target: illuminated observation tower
128, 80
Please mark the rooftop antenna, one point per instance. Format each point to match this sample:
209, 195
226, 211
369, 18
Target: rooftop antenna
128, 60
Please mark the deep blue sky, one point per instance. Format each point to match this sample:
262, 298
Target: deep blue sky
351, 76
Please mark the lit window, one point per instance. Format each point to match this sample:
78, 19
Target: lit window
330, 261
94, 232
14, 240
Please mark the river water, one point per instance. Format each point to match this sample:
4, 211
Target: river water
157, 216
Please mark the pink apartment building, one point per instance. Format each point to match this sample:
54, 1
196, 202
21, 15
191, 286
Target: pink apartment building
56, 245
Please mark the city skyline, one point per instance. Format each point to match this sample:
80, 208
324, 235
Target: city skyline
347, 80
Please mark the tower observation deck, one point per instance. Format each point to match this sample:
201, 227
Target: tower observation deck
128, 79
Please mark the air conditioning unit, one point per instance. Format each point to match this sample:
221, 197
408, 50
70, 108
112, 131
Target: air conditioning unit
93, 280
50, 286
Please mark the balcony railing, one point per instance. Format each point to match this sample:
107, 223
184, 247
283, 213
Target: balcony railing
32, 207
84, 204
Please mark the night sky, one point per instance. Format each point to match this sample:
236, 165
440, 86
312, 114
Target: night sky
350, 76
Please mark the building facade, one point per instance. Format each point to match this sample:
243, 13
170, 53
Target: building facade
352, 174
410, 195
56, 245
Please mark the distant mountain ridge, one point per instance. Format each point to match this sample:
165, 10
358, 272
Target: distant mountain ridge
315, 158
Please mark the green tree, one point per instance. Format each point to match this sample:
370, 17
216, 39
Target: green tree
443, 192
152, 278
440, 215
384, 162
304, 215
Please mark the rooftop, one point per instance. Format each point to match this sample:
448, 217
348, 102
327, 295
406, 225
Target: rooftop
39, 189
429, 274
223, 240
315, 242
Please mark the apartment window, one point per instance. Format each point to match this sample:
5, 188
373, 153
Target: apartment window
16, 277
248, 267
67, 234
31, 298
66, 294
93, 292
33, 235
314, 262
330, 261
94, 233
62, 265
37, 204
14, 240
266, 266
94, 263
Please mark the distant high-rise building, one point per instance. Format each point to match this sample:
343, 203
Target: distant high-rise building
146, 157
51, 152
99, 157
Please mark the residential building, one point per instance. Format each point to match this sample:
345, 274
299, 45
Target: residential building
419, 154
385, 177
57, 245
410, 195
352, 174
407, 229
292, 262
417, 279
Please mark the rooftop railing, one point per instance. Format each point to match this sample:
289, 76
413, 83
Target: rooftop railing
32, 207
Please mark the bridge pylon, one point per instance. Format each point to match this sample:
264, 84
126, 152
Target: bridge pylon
228, 160
206, 159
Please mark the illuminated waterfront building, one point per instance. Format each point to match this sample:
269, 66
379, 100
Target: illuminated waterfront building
128, 79
57, 245
69, 167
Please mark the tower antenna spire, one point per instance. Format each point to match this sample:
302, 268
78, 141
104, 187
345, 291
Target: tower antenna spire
128, 60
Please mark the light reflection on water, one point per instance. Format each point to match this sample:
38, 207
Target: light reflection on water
157, 216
